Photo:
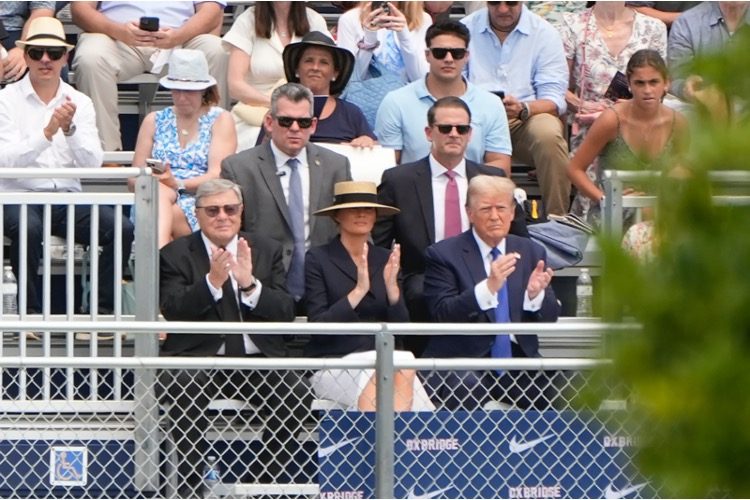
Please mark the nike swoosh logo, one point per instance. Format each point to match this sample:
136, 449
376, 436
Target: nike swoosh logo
424, 496
327, 450
610, 493
516, 447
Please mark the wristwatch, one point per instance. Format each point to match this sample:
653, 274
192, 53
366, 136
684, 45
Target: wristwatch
249, 288
71, 130
525, 112
181, 186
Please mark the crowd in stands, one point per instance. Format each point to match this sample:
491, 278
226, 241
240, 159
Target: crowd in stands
258, 223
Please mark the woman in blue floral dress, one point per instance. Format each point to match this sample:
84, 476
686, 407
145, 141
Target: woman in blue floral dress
190, 138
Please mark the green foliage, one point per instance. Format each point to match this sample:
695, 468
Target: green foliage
689, 368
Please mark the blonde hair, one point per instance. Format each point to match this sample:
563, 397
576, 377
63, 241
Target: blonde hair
412, 12
483, 184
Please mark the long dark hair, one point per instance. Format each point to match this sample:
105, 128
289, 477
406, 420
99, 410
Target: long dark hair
265, 19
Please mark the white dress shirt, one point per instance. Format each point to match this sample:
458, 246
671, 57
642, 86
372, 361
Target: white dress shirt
23, 117
284, 172
249, 299
439, 183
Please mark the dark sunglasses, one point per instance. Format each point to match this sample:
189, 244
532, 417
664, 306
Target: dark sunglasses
286, 121
440, 53
230, 210
507, 4
54, 53
446, 129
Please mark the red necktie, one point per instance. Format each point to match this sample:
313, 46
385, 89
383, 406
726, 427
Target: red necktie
452, 206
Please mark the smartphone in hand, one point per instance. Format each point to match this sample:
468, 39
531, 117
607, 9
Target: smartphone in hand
149, 24
156, 166
386, 8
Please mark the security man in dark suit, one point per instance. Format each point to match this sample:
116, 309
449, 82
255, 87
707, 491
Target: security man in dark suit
219, 274
430, 195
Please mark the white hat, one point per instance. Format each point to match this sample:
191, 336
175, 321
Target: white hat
188, 70
45, 32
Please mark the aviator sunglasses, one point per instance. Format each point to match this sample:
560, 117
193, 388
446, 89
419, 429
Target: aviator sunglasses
446, 129
54, 53
440, 53
230, 210
508, 4
286, 121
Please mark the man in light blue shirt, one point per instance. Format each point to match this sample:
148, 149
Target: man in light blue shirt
519, 53
705, 28
401, 118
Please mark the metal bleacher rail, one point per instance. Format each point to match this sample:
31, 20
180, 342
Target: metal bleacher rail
731, 187
61, 391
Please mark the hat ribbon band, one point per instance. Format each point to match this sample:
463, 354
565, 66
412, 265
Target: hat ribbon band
172, 79
354, 198
45, 35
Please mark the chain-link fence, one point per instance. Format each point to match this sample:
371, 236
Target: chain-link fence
154, 427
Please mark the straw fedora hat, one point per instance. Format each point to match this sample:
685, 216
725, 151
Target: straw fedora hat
188, 70
343, 60
45, 32
356, 194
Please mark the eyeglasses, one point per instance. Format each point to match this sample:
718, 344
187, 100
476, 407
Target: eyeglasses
286, 121
54, 53
440, 53
507, 4
230, 210
446, 129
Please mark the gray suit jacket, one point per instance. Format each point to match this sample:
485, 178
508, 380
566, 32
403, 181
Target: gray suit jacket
266, 210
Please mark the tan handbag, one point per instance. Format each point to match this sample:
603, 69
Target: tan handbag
253, 115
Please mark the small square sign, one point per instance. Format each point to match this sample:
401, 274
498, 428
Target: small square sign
68, 466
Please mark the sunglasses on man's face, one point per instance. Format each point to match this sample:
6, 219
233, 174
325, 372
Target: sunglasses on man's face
230, 210
446, 129
440, 53
507, 4
54, 53
286, 121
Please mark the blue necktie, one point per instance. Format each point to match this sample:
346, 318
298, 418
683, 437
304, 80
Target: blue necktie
295, 278
501, 346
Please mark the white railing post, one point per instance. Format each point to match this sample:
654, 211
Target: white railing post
146, 410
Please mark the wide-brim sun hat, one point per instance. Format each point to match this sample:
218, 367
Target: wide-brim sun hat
356, 194
343, 60
45, 32
188, 70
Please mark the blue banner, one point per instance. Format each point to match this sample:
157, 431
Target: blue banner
499, 454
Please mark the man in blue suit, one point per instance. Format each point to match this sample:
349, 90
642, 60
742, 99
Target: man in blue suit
486, 275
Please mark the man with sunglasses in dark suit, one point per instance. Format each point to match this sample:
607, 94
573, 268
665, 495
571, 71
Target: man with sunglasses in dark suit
46, 123
220, 274
286, 180
400, 121
431, 194
516, 52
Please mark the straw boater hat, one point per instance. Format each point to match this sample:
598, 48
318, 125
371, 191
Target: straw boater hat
188, 70
45, 32
343, 60
356, 194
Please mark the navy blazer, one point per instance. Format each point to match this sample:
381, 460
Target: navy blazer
409, 188
330, 274
454, 267
185, 295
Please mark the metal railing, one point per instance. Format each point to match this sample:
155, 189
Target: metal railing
732, 184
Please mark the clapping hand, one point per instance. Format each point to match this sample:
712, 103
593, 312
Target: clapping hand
390, 275
363, 279
222, 262
539, 280
500, 269
243, 266
62, 118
